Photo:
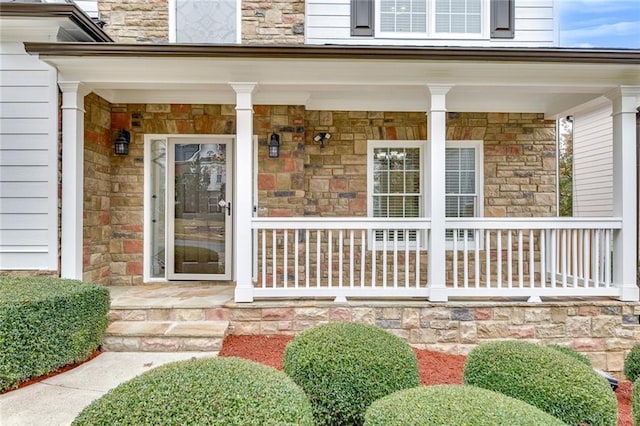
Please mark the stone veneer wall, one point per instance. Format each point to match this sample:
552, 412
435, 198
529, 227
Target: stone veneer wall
273, 22
336, 176
98, 150
147, 21
603, 330
135, 21
127, 173
281, 185
519, 158
519, 154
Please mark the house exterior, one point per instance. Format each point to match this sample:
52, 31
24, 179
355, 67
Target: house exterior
416, 149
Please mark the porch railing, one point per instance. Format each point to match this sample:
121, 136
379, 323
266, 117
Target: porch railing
485, 257
340, 257
531, 257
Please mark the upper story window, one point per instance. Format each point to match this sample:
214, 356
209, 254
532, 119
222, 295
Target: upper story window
204, 21
444, 19
431, 18
458, 16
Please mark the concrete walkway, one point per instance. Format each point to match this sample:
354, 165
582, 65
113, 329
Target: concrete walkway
59, 399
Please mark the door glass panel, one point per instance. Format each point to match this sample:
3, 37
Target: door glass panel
200, 212
158, 203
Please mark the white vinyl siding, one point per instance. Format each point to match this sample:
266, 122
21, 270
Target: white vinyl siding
593, 161
28, 161
328, 22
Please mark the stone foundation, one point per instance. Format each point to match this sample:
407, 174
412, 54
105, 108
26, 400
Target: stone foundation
603, 330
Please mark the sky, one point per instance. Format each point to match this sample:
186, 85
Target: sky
600, 23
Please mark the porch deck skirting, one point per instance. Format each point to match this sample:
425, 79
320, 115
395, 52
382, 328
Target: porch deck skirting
485, 257
604, 330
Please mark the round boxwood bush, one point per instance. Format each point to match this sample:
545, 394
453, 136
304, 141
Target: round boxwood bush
635, 402
632, 364
451, 405
572, 353
344, 367
543, 377
212, 391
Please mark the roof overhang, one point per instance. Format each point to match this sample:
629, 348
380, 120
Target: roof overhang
66, 21
346, 77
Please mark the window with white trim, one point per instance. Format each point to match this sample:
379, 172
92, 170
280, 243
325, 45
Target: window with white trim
463, 181
395, 183
395, 180
432, 18
458, 16
204, 21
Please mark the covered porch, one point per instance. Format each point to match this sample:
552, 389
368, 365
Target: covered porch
525, 253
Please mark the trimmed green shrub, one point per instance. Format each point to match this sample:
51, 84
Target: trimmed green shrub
47, 323
344, 367
572, 353
207, 391
632, 364
451, 405
635, 402
545, 378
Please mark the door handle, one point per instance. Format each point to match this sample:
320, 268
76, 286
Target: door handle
225, 205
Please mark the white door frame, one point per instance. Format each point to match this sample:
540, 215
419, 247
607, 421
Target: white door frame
171, 140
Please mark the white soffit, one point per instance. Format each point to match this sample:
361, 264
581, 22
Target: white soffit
349, 85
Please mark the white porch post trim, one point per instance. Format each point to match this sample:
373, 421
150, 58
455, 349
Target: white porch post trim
437, 135
625, 191
243, 188
73, 93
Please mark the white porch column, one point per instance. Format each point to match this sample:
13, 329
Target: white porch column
73, 93
243, 188
437, 135
625, 191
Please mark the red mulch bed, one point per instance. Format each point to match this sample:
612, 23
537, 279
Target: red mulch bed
435, 368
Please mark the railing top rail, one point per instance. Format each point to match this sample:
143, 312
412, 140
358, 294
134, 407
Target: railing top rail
535, 223
340, 223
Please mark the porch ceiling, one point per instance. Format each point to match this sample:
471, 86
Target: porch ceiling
360, 83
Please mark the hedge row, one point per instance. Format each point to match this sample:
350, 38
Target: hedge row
46, 323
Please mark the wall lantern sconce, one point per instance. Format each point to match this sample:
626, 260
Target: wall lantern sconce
274, 145
322, 138
121, 144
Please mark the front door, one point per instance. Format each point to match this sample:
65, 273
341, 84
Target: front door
191, 239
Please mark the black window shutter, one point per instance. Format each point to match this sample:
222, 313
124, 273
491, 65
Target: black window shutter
502, 18
362, 18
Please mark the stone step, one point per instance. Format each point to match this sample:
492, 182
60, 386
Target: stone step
122, 313
164, 336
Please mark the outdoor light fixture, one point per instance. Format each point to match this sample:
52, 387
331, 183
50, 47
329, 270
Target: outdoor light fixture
274, 145
322, 138
121, 144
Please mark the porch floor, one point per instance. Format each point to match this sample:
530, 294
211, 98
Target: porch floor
168, 296
203, 295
